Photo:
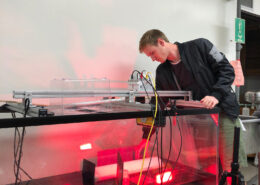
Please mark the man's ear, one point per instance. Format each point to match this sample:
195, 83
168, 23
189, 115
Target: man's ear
160, 41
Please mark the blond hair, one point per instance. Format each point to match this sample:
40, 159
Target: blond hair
151, 37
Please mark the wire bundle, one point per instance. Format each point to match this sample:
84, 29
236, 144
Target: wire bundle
18, 146
161, 171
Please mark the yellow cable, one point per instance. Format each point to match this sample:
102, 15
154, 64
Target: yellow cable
156, 102
147, 74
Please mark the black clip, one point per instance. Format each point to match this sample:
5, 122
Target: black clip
173, 107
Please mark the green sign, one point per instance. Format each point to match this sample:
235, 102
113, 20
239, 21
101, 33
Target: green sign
240, 30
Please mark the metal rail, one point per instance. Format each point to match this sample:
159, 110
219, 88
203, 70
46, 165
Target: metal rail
96, 93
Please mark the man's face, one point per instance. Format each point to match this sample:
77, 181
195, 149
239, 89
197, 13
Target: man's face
156, 53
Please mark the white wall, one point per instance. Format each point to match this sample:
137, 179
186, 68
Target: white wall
255, 9
43, 40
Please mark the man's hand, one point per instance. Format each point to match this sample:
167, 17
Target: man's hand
209, 102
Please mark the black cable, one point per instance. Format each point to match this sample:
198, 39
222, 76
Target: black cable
161, 153
161, 129
145, 90
171, 141
153, 114
15, 155
138, 72
158, 156
20, 155
170, 132
26, 106
155, 91
170, 148
18, 148
161, 158
179, 149
156, 140
158, 153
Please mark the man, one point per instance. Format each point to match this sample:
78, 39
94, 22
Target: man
199, 67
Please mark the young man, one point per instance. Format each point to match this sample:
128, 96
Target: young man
199, 67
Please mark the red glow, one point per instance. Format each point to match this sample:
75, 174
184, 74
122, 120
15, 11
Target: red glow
215, 118
165, 177
85, 146
211, 169
86, 66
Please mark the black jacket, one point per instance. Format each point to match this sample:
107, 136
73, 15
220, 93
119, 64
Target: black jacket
211, 70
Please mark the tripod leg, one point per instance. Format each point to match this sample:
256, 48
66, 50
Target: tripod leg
223, 178
241, 180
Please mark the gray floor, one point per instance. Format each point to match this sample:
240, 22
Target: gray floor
250, 173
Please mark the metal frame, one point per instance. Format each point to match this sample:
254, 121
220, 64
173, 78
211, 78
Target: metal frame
33, 111
68, 119
95, 93
36, 111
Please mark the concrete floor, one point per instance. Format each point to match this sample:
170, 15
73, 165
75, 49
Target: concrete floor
250, 173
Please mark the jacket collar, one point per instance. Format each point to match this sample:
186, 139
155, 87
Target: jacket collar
180, 47
181, 50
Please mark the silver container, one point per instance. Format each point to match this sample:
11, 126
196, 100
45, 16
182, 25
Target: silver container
250, 96
257, 97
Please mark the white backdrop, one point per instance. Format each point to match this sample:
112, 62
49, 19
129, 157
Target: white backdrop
44, 40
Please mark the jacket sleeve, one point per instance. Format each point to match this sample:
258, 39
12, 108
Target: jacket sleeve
220, 66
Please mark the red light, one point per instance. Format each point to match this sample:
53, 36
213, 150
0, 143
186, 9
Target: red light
85, 146
165, 177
